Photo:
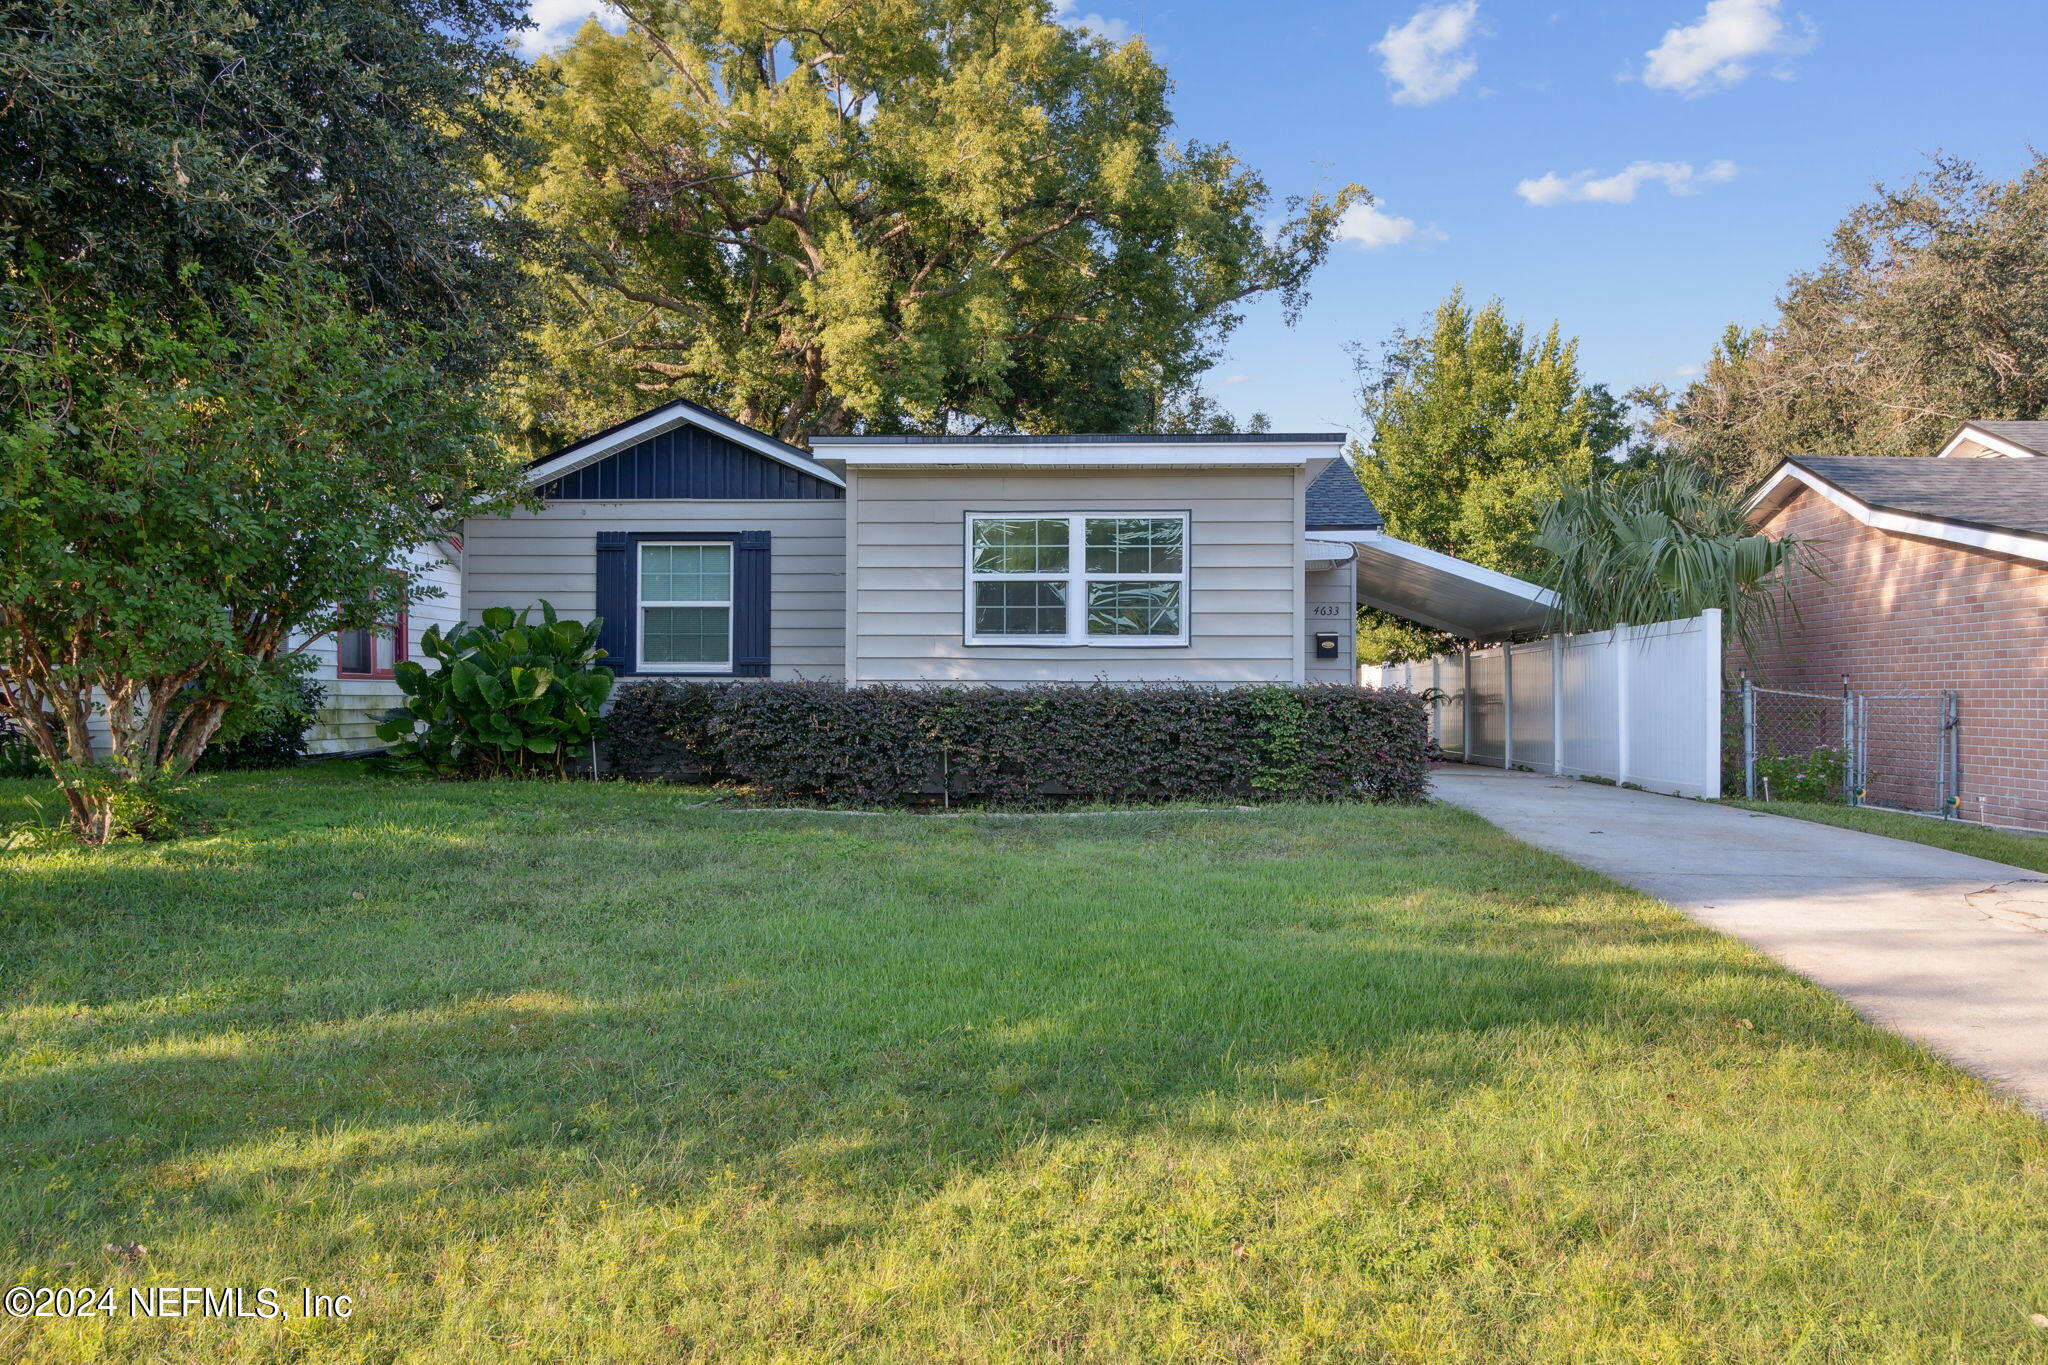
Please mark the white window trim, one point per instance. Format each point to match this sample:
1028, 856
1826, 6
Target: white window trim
1077, 635
641, 604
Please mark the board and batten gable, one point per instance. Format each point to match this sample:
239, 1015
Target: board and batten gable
907, 590
682, 472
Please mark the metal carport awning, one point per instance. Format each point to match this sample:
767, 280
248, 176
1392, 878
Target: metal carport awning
1436, 590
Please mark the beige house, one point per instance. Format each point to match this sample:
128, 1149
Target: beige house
713, 551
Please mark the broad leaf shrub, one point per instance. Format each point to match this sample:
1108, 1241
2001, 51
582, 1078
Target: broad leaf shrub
876, 745
508, 697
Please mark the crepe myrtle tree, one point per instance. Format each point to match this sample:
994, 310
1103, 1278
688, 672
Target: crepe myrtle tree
192, 490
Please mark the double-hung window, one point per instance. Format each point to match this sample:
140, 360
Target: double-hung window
685, 607
1097, 578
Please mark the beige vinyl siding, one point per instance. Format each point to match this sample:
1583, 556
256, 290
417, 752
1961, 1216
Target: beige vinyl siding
517, 560
1333, 606
906, 580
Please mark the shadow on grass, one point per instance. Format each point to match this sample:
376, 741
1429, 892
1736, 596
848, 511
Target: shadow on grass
508, 987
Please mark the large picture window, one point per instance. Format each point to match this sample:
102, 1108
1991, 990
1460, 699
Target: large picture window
685, 607
1055, 578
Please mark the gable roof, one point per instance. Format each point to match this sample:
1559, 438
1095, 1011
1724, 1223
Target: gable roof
1337, 502
2032, 435
1988, 493
2020, 440
1996, 505
677, 412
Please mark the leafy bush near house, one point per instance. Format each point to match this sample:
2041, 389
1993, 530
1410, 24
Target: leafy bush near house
1029, 745
1816, 775
269, 728
18, 757
509, 697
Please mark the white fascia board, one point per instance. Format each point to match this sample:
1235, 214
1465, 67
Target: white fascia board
2016, 544
1972, 434
1443, 563
660, 420
1049, 456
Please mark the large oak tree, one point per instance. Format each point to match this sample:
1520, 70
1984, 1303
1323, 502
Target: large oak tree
903, 215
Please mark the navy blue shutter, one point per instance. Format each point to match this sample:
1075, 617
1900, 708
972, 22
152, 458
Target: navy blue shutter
615, 599
750, 575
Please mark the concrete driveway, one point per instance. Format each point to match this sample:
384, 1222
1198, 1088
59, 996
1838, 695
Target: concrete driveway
1948, 950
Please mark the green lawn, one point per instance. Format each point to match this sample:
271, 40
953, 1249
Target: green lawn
2000, 846
594, 1074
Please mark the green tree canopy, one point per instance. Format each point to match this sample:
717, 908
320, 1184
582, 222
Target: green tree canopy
1476, 427
248, 291
138, 137
914, 214
1930, 309
187, 493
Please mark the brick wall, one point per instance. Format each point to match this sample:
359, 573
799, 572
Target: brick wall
1896, 612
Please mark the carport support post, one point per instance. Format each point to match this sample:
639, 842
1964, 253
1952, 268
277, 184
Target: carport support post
1465, 711
1507, 706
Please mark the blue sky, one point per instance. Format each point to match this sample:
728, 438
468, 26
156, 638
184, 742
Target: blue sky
1645, 172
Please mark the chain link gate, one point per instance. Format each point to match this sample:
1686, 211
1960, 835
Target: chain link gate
1896, 749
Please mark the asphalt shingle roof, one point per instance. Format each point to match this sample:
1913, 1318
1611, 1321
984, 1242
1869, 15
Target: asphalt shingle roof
1337, 503
2032, 435
2005, 495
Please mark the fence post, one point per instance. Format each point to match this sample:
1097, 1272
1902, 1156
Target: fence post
1557, 704
1748, 737
1507, 707
1955, 746
1619, 641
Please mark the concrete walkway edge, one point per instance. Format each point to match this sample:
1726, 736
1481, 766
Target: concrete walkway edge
1948, 950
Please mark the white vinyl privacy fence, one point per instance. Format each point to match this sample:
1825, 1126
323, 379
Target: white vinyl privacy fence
1638, 704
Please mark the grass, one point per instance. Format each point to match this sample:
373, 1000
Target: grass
592, 1074
1998, 845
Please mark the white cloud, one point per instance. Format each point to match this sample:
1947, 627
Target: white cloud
1115, 30
1235, 378
1425, 58
556, 22
1366, 226
1719, 48
1590, 187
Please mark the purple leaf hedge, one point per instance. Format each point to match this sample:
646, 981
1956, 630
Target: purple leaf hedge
880, 745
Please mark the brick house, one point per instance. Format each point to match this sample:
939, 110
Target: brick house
1930, 575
